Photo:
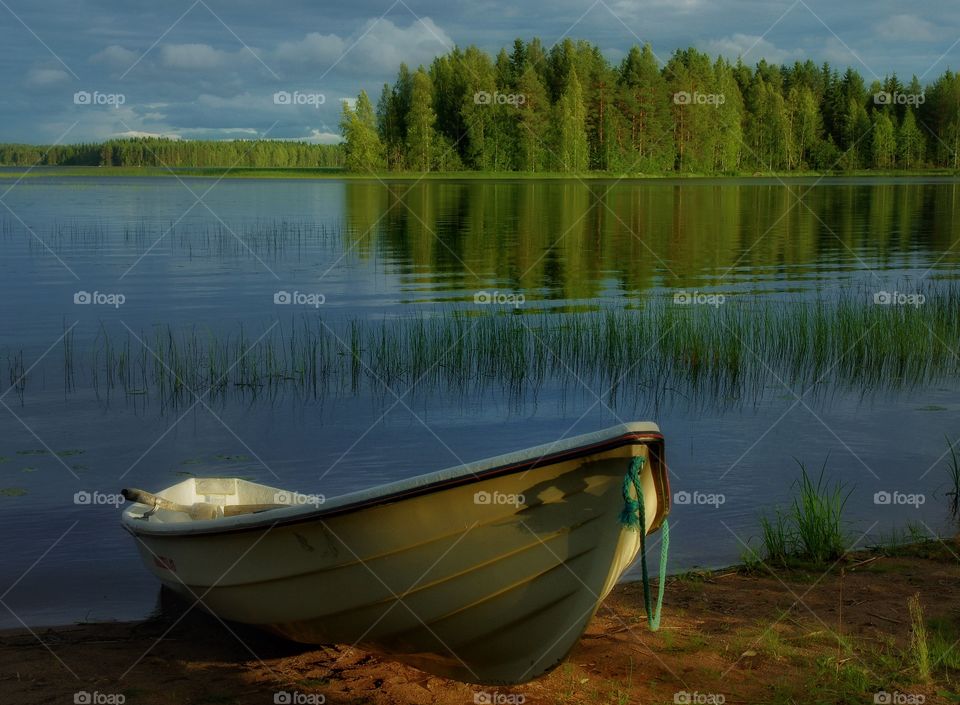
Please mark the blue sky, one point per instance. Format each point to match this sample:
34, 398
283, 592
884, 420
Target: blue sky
211, 68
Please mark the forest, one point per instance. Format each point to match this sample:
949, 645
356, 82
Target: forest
175, 153
568, 109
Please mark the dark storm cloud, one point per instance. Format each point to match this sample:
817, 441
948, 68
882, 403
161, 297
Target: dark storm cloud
208, 68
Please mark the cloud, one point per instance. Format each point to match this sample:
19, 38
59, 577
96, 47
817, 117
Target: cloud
321, 137
313, 48
379, 47
46, 77
142, 133
115, 56
907, 28
751, 48
193, 56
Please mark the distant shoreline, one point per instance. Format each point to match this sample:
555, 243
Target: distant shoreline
15, 172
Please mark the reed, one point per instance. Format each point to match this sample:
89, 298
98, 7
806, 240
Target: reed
647, 356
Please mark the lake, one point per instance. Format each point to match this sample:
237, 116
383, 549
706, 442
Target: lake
94, 269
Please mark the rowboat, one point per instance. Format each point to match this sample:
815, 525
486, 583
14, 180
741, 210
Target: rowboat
487, 572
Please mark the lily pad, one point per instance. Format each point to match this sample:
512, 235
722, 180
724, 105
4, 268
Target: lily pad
69, 452
38, 451
29, 469
12, 492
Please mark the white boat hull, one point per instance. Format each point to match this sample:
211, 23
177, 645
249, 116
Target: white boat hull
491, 592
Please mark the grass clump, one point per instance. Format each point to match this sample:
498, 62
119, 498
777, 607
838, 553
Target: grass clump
953, 472
919, 643
811, 528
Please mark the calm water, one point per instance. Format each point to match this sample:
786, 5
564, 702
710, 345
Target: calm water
213, 255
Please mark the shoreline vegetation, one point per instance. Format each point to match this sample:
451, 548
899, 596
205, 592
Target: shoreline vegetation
339, 173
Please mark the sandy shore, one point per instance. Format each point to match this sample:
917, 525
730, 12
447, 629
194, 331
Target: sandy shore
734, 636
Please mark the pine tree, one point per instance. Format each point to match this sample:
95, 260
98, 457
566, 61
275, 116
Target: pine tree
645, 107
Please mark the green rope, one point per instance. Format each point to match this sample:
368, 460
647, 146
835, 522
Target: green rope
634, 516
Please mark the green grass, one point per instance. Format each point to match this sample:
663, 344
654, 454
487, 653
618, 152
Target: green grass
944, 644
919, 642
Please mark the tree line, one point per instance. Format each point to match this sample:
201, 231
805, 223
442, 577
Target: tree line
568, 109
159, 152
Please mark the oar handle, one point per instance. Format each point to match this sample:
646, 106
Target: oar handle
134, 494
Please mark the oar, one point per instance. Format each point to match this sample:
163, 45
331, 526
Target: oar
198, 510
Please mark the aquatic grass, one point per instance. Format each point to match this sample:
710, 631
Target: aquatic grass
648, 355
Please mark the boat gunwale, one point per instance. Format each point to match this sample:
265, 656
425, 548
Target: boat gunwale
138, 527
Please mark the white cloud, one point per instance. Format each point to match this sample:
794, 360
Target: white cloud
321, 137
115, 56
46, 77
142, 133
751, 48
379, 47
907, 28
